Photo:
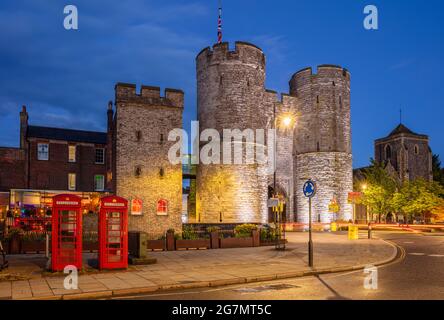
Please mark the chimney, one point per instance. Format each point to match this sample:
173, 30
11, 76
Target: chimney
23, 127
110, 115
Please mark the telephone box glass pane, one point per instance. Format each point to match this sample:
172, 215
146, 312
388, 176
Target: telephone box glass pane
114, 237
67, 235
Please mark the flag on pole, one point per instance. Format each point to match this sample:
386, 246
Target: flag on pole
219, 24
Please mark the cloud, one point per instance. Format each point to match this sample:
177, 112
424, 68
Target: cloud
66, 77
402, 64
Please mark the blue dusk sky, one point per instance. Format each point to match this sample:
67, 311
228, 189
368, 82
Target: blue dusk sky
66, 77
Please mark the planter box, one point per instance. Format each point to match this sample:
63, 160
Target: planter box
236, 243
90, 246
193, 244
156, 245
15, 244
33, 246
256, 238
170, 241
215, 243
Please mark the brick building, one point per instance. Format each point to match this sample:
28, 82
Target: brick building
54, 160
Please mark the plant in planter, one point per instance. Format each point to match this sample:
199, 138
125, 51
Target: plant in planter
14, 238
244, 230
268, 234
33, 241
189, 233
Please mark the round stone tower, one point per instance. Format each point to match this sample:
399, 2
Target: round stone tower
323, 141
230, 91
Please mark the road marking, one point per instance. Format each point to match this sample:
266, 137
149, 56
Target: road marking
437, 255
409, 242
417, 254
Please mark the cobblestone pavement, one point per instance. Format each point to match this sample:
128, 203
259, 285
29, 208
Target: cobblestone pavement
197, 268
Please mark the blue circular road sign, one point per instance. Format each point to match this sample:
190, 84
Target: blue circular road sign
309, 189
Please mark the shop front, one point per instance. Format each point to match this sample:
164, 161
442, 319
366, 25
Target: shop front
31, 210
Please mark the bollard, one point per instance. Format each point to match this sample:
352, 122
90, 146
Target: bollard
369, 230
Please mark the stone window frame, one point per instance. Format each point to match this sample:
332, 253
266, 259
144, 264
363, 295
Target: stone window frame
162, 207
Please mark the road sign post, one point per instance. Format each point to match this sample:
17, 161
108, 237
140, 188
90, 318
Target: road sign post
309, 190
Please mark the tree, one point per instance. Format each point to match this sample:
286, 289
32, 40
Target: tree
379, 191
418, 198
438, 172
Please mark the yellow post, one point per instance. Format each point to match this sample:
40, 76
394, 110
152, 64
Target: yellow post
333, 227
353, 232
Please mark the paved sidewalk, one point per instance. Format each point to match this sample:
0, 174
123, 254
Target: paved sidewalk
191, 269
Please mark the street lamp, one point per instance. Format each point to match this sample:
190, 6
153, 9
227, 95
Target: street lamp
287, 122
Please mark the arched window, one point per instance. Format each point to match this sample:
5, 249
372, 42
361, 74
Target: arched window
162, 207
388, 152
416, 149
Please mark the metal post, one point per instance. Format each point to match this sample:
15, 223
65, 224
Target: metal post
310, 240
47, 246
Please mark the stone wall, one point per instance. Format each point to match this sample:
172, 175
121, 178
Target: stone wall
323, 140
143, 170
230, 96
334, 179
411, 155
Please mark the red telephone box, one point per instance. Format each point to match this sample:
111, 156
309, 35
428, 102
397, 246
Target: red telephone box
113, 233
66, 232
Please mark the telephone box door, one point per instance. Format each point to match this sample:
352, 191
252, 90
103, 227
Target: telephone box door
66, 232
113, 233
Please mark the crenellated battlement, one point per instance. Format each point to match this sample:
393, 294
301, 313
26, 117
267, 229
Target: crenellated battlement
282, 98
325, 70
243, 51
149, 95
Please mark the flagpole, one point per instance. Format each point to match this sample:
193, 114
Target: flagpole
219, 24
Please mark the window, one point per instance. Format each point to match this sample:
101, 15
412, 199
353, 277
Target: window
416, 149
388, 152
72, 153
99, 182
43, 151
138, 135
71, 181
162, 207
100, 156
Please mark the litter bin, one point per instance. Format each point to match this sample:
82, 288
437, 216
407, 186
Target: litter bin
353, 232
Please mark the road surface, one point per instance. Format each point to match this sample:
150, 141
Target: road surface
417, 274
